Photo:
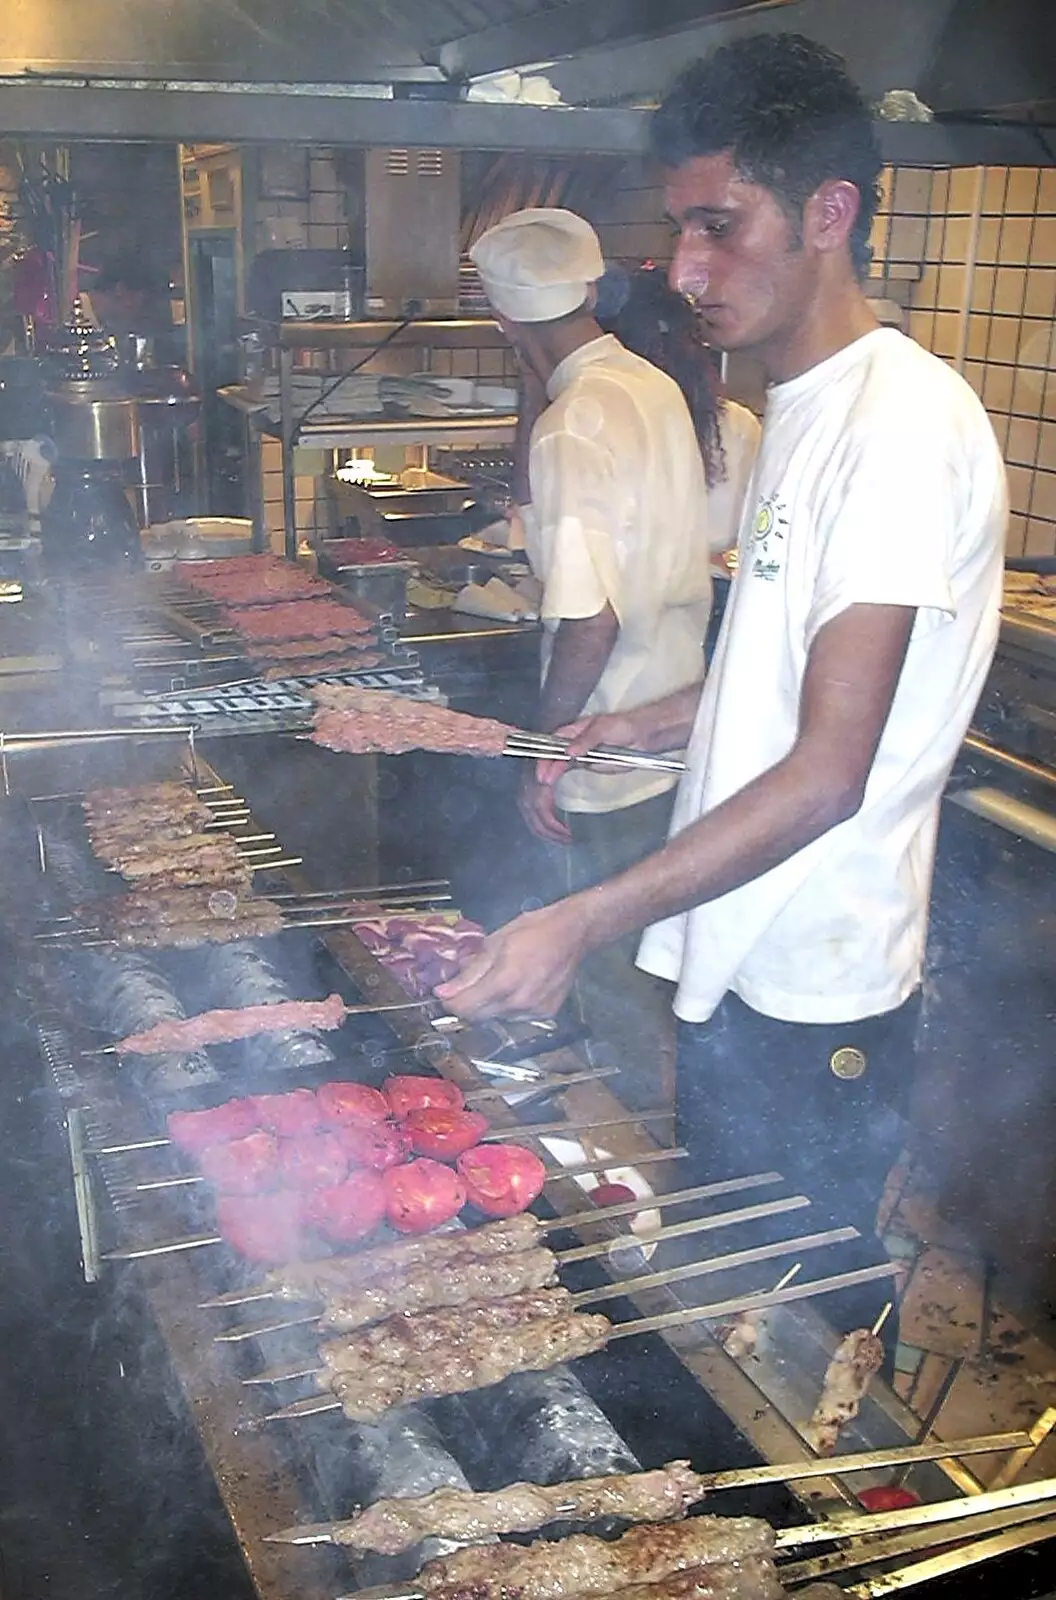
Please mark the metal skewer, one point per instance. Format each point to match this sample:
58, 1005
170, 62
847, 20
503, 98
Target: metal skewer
535, 747
576, 1219
620, 1244
312, 1533
350, 1011
630, 1284
627, 1330
963, 1509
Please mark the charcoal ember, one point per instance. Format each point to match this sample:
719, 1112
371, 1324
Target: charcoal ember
130, 995
238, 974
543, 1427
404, 1454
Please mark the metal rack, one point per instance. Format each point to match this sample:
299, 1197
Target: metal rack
331, 434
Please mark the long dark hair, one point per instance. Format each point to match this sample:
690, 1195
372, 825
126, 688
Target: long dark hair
649, 318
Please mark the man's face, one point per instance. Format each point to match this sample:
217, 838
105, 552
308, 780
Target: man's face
738, 259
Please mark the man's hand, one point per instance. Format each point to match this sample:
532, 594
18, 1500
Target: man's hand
619, 730
537, 803
525, 969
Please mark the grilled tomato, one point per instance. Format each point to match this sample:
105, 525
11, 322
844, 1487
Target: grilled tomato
422, 1195
444, 1135
501, 1179
406, 1093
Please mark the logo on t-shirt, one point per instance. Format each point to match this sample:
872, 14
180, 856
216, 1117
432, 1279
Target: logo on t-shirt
768, 537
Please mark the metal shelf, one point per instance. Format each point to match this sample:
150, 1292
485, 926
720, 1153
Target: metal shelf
410, 430
440, 333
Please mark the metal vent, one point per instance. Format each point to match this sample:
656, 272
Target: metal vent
398, 163
430, 163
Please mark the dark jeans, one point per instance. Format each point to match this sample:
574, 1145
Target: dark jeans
755, 1094
627, 1011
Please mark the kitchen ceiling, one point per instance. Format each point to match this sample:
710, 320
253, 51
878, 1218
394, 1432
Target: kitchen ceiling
965, 58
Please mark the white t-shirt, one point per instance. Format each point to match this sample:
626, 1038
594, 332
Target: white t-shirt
878, 481
621, 514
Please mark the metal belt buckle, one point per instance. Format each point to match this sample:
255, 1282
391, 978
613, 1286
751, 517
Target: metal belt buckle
848, 1063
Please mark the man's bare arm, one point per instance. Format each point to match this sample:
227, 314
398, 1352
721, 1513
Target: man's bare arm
850, 682
582, 647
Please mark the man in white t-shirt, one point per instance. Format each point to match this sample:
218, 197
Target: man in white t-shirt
790, 905
619, 531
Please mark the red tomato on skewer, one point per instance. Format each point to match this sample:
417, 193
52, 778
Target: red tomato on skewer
312, 1161
611, 1194
287, 1114
243, 1166
886, 1497
266, 1228
195, 1131
442, 1134
422, 1195
379, 1147
350, 1210
353, 1103
501, 1179
405, 1093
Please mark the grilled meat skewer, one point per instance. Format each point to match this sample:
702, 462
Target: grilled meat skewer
754, 1578
406, 1338
425, 1291
394, 1263
472, 1364
220, 1027
857, 1357
391, 1526
584, 1565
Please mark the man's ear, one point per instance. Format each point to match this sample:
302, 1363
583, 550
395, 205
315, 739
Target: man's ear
830, 214
590, 303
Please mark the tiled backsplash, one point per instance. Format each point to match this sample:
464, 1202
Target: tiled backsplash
974, 253
969, 255
977, 283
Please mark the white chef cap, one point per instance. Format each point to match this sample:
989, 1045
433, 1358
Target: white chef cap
538, 265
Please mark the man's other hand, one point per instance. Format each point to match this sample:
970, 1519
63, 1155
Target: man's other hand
537, 803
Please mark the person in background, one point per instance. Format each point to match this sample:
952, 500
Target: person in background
618, 533
124, 298
648, 317
790, 905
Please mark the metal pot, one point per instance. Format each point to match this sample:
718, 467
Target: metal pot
94, 425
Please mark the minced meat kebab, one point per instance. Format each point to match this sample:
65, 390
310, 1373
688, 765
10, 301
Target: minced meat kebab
365, 721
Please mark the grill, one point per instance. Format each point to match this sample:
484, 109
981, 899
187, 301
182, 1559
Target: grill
669, 1390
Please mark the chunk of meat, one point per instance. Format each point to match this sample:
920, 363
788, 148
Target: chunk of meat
195, 1131
352, 1103
312, 1161
348, 1211
243, 1166
266, 1228
287, 1114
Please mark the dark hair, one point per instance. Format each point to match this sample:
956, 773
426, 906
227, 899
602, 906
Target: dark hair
788, 113
659, 325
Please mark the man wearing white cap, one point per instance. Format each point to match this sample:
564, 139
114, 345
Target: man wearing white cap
618, 534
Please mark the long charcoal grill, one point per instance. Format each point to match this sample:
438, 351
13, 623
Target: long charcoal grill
276, 1476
